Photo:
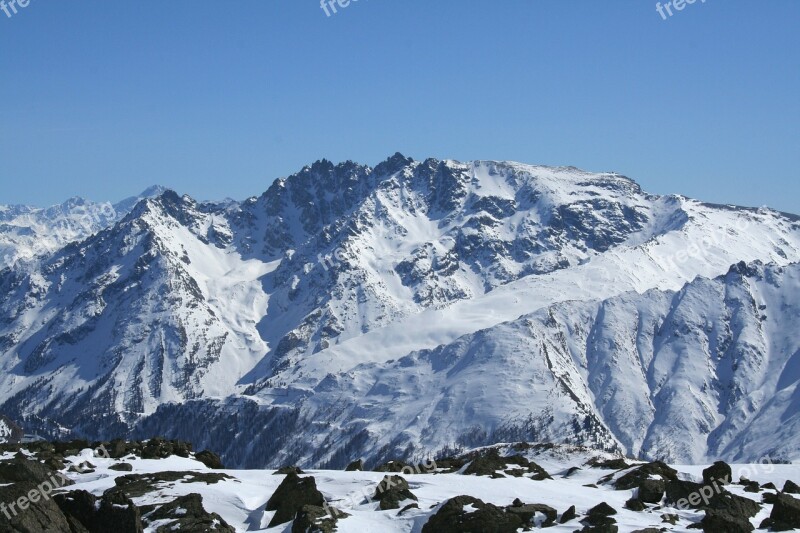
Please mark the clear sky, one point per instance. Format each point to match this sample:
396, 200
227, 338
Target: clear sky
102, 98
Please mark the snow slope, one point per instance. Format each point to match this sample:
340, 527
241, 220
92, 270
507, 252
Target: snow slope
240, 501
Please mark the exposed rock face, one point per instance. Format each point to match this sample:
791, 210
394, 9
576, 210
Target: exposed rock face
465, 513
785, 513
313, 519
391, 491
355, 466
651, 490
719, 472
724, 522
200, 319
112, 512
187, 513
490, 462
640, 474
21, 469
291, 496
42, 515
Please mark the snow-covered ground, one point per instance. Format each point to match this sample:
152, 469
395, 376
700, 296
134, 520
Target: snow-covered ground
241, 501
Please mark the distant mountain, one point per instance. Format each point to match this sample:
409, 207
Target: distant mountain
394, 311
29, 232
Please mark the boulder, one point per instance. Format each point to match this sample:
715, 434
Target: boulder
719, 472
791, 487
651, 490
527, 513
489, 462
734, 505
114, 512
785, 513
355, 466
187, 514
210, 459
41, 515
634, 478
158, 448
288, 470
391, 491
291, 495
609, 464
121, 467
136, 485
598, 518
635, 505
680, 493
723, 522
465, 513
22, 469
568, 515
313, 519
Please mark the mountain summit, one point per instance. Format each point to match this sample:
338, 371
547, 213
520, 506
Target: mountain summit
395, 311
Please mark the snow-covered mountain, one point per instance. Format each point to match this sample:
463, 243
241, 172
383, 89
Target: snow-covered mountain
28, 233
394, 311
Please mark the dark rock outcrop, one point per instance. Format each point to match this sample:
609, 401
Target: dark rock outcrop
527, 513
187, 514
210, 459
113, 512
484, 517
785, 513
355, 466
291, 496
391, 491
716, 521
490, 462
21, 469
313, 519
42, 515
634, 478
791, 487
719, 472
651, 490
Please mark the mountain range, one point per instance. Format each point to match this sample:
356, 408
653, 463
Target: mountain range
410, 309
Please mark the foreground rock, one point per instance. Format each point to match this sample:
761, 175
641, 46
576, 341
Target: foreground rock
527, 513
355, 466
136, 485
313, 519
42, 515
21, 469
210, 459
785, 513
113, 512
291, 496
490, 463
650, 471
719, 472
465, 513
186, 514
599, 519
724, 522
392, 491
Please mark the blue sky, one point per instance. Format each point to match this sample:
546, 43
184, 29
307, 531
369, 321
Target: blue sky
102, 98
